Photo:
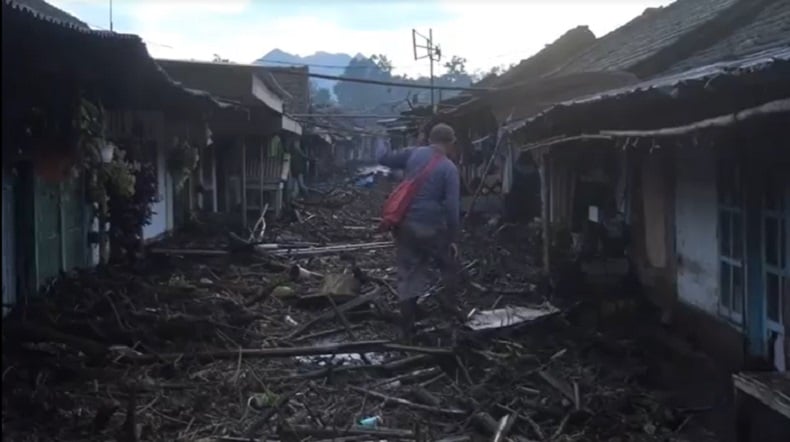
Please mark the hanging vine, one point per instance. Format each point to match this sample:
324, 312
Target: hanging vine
107, 178
117, 175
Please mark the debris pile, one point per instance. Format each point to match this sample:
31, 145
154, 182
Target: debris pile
230, 343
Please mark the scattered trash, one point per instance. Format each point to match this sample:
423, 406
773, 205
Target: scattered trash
283, 291
370, 422
508, 316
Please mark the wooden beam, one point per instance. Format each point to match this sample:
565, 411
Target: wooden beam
770, 108
775, 396
544, 210
215, 206
773, 107
243, 144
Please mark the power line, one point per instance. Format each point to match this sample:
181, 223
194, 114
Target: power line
328, 66
299, 72
387, 83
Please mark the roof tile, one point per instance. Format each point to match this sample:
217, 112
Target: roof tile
769, 30
654, 30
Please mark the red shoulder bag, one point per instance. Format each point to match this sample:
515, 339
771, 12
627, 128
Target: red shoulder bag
400, 199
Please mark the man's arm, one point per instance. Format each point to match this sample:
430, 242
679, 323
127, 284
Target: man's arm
393, 159
452, 201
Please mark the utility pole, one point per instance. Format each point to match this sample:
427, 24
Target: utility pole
433, 53
111, 16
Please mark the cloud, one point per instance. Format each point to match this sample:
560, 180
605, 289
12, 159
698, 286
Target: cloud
486, 34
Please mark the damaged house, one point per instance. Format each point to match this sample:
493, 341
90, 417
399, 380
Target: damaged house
249, 166
69, 94
694, 165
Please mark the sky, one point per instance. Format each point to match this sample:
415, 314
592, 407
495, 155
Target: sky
486, 33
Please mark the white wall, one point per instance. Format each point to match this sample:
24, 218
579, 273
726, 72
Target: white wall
696, 226
164, 207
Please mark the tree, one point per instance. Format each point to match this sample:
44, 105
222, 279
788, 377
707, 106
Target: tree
364, 96
382, 62
322, 97
456, 66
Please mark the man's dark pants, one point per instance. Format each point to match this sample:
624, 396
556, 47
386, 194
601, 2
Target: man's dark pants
418, 247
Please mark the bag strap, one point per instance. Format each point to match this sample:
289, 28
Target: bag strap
428, 168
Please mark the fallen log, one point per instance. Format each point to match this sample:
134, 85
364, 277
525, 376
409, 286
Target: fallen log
286, 352
194, 252
326, 250
30, 332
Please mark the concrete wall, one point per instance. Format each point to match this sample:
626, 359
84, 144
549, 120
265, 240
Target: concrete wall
162, 219
696, 214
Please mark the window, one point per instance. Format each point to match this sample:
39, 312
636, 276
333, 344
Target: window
731, 241
774, 226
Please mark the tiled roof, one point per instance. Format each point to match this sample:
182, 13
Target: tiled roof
653, 31
548, 59
760, 77
768, 30
43, 11
31, 17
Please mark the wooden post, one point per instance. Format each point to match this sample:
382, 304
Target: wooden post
215, 204
243, 181
544, 209
261, 174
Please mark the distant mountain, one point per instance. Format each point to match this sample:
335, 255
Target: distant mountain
319, 63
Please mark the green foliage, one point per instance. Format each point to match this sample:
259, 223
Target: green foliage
378, 67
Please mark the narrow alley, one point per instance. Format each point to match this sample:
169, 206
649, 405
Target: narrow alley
210, 339
206, 250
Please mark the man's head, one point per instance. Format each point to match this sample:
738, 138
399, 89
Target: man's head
442, 136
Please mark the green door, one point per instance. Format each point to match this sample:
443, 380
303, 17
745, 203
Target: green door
47, 231
60, 228
75, 249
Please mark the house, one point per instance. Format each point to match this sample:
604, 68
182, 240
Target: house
696, 162
249, 166
54, 65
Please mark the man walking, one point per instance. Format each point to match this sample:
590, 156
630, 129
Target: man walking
429, 231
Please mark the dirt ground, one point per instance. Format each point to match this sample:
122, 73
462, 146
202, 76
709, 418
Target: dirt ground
211, 339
